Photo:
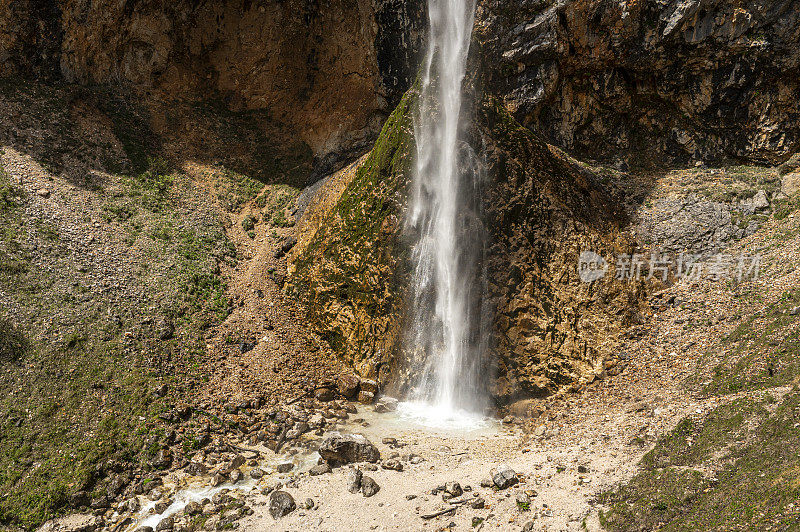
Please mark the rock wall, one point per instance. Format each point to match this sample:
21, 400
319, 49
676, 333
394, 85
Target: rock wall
650, 82
350, 266
331, 73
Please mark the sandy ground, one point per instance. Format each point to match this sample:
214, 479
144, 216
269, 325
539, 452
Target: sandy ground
603, 441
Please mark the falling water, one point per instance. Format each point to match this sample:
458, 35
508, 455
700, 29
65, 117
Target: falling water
444, 224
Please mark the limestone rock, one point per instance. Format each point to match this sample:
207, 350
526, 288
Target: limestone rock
281, 504
504, 477
369, 487
340, 449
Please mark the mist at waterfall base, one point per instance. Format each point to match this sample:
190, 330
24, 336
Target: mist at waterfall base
447, 236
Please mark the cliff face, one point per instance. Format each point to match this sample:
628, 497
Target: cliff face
671, 81
649, 82
330, 74
350, 267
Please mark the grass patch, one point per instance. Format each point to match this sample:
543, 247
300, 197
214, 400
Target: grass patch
235, 190
762, 352
77, 380
744, 480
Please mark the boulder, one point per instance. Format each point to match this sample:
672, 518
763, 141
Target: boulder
193, 508
319, 469
196, 469
790, 184
338, 449
348, 386
369, 487
370, 386
285, 467
366, 398
504, 477
323, 394
354, 480
386, 404
281, 504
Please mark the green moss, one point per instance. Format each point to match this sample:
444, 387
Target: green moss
762, 352
12, 342
235, 190
76, 389
748, 480
351, 260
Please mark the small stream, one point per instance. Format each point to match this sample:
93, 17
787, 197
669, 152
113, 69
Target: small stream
409, 418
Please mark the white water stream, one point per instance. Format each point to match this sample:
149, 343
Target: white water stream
445, 226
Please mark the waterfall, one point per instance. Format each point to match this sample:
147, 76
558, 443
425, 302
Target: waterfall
444, 224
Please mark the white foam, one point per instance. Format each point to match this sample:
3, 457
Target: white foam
440, 417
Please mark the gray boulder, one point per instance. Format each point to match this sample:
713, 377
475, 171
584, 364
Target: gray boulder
504, 477
338, 449
281, 504
369, 487
354, 480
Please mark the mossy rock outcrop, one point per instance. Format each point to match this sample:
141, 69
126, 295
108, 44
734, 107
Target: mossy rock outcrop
550, 330
349, 263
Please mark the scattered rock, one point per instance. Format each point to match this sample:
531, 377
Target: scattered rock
338, 449
196, 469
235, 476
354, 480
369, 487
73, 523
504, 477
285, 467
320, 469
43, 192
392, 464
100, 503
256, 473
523, 502
308, 504
348, 386
168, 523
281, 504
478, 503
453, 488
193, 508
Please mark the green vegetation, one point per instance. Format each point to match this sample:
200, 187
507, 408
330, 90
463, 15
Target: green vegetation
234, 190
274, 201
351, 260
752, 485
79, 343
12, 342
735, 469
762, 352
